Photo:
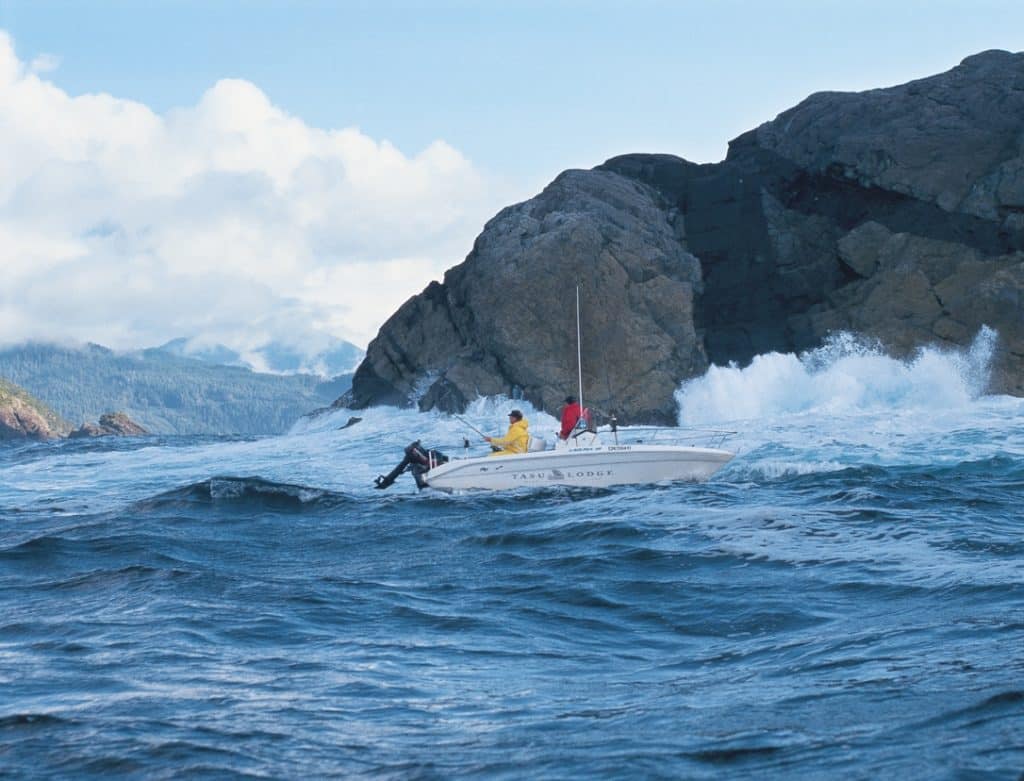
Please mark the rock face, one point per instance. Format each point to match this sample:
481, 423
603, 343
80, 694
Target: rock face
504, 321
115, 424
25, 417
897, 213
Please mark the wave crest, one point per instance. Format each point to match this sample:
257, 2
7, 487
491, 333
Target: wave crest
849, 373
246, 491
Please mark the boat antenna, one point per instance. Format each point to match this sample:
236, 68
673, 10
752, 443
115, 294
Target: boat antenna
579, 350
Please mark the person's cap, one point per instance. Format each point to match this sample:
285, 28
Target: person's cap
516, 414
570, 399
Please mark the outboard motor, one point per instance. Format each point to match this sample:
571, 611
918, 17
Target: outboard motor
418, 461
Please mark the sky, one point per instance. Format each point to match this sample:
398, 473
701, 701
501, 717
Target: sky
252, 171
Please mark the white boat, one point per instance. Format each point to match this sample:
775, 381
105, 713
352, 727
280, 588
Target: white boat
591, 465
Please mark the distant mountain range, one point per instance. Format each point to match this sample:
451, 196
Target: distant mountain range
165, 392
340, 357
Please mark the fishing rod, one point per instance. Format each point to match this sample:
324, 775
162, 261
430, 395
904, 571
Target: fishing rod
466, 422
465, 442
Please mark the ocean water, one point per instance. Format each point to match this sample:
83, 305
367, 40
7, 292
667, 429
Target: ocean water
844, 600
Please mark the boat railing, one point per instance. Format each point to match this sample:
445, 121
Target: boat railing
631, 435
667, 435
464, 448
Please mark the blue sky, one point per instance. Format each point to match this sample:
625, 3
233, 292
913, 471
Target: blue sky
515, 92
524, 89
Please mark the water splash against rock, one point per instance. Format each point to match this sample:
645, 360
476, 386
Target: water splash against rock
849, 373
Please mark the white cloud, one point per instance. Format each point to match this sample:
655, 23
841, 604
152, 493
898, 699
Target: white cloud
229, 219
45, 63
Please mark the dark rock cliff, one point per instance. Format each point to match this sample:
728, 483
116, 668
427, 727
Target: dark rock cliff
896, 213
504, 320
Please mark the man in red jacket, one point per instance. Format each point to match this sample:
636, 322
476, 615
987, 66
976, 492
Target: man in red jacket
571, 413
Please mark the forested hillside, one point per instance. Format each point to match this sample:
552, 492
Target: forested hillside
165, 393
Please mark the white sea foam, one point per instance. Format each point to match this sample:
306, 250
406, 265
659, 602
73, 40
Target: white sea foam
848, 404
848, 374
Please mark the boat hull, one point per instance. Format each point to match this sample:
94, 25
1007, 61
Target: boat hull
597, 467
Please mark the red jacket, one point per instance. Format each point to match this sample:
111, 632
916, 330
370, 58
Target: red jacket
570, 414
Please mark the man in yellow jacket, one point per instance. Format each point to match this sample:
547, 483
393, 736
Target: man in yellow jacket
516, 439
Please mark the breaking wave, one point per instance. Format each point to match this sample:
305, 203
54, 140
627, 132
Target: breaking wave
847, 374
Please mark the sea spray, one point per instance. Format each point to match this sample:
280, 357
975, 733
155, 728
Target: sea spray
847, 374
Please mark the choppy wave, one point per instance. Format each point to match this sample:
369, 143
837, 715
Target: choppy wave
247, 492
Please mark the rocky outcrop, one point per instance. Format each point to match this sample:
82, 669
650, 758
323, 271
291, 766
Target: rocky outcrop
24, 417
504, 321
115, 424
897, 213
19, 420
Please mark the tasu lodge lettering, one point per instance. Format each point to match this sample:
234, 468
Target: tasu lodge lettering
562, 474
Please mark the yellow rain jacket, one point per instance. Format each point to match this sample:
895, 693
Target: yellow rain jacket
514, 441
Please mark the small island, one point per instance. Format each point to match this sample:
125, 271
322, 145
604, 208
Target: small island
111, 424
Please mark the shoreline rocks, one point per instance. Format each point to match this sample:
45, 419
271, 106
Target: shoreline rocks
22, 416
115, 424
